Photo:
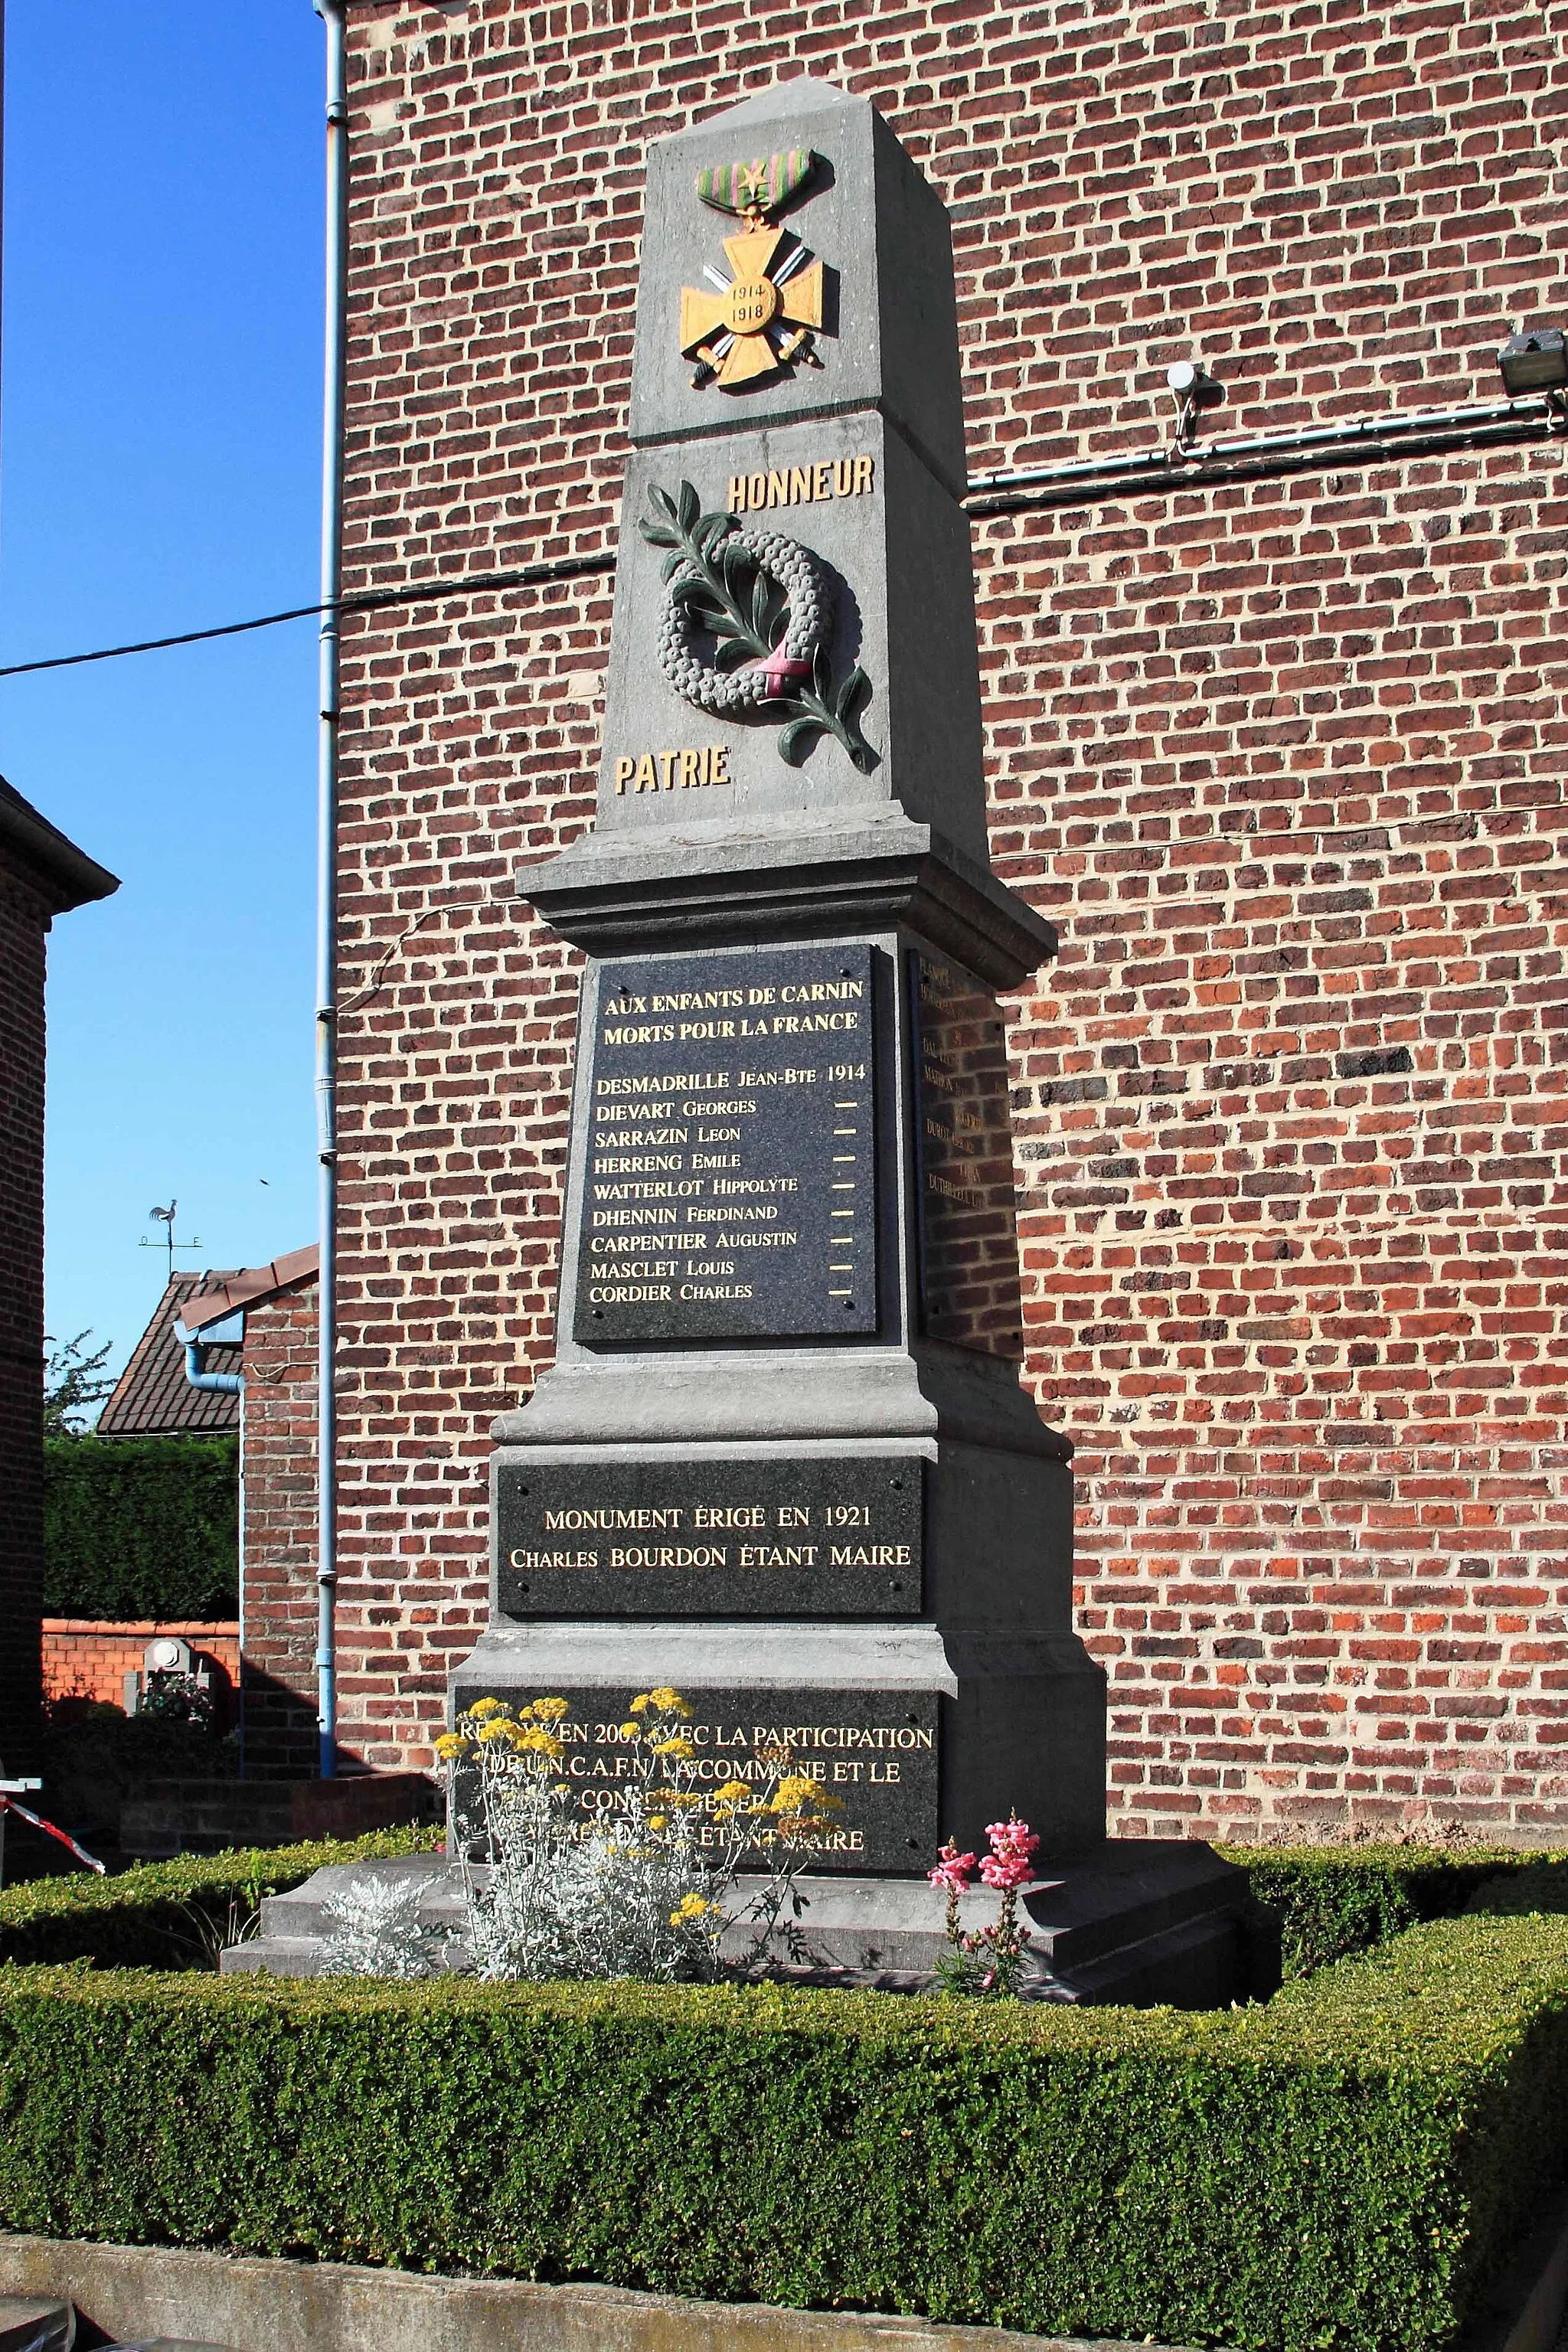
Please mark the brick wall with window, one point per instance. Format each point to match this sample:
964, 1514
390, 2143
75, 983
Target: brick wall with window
1284, 761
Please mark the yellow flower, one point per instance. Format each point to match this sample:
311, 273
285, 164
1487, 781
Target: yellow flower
679, 1747
549, 1710
483, 1708
489, 1733
659, 1821
692, 1906
639, 1704
630, 1730
670, 1701
539, 1741
733, 1792
451, 1744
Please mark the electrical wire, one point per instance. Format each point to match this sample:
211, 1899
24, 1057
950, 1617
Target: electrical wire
529, 575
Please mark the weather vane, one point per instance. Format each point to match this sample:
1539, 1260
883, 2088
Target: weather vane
766, 315
166, 1217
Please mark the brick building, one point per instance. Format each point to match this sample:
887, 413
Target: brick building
261, 1322
1283, 759
42, 874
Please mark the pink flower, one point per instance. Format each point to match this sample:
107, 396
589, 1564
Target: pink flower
955, 1871
1009, 1864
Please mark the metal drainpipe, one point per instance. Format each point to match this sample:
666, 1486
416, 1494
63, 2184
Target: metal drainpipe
333, 13
224, 1384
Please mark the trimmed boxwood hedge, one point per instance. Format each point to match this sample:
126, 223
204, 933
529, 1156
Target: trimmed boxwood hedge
1320, 1904
149, 1917
140, 1527
1340, 2168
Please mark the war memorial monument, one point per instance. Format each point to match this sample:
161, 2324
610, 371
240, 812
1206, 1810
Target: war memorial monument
784, 1460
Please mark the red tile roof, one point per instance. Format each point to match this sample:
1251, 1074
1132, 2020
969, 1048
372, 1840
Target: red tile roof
153, 1397
222, 1295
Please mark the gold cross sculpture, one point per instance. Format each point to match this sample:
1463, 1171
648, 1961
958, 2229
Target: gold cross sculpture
765, 319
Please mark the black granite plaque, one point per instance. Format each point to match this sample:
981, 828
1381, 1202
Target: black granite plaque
968, 1221
816, 1537
876, 1751
729, 1188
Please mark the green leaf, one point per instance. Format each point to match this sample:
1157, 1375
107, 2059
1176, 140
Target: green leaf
690, 508
661, 500
657, 534
671, 565
849, 693
762, 593
792, 736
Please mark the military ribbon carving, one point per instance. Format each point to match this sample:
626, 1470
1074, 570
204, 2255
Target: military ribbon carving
766, 317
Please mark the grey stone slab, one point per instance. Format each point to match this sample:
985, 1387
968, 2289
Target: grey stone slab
1021, 1719
715, 881
717, 1535
881, 230
899, 560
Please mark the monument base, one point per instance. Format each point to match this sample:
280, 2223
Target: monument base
1142, 1922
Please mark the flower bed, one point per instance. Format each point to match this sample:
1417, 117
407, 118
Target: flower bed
1340, 2167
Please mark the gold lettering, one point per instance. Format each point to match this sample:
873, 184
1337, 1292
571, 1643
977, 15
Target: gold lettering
756, 490
689, 765
799, 484
625, 771
647, 781
843, 478
667, 761
822, 480
717, 768
736, 497
864, 470
778, 489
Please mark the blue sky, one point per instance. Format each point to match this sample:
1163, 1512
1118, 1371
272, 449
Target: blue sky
158, 469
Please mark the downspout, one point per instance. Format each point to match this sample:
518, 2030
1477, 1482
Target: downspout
333, 13
225, 1384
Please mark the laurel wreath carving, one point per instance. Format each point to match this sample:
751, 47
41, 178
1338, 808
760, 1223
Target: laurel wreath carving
767, 605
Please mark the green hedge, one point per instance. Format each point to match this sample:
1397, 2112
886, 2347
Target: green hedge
151, 1918
1340, 2168
140, 1527
1320, 1904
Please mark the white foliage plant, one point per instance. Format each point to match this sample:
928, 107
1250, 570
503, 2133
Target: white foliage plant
377, 1931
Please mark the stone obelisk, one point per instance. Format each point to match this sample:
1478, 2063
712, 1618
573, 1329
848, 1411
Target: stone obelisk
783, 1460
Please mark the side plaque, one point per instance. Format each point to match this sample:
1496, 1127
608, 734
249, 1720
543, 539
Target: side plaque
729, 1191
876, 1751
728, 1538
969, 1285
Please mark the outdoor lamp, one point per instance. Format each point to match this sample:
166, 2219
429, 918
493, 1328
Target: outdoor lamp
1192, 388
1536, 362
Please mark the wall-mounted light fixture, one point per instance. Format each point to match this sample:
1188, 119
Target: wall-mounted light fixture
1192, 388
1535, 360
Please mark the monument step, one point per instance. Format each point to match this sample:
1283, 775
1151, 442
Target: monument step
1155, 1922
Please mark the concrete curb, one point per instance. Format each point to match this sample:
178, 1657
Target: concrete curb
251, 2304
254, 2305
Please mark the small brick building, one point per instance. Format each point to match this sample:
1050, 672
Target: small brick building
267, 1317
42, 874
1283, 760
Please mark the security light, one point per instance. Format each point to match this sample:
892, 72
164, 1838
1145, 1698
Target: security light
1534, 361
1192, 388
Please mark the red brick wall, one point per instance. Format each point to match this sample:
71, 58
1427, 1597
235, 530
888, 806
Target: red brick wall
1284, 762
24, 921
282, 1740
87, 1657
